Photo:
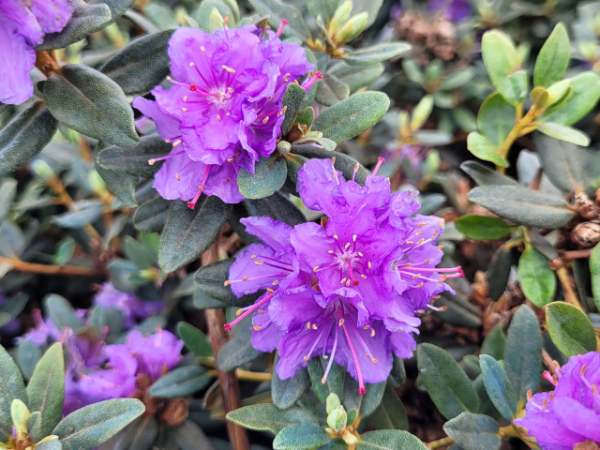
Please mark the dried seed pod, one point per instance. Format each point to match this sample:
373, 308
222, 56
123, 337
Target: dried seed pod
586, 234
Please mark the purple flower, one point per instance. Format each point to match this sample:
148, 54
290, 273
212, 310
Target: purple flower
156, 354
130, 306
223, 110
42, 332
455, 10
570, 415
22, 26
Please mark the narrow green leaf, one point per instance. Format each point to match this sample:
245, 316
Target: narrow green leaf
292, 101
46, 389
561, 161
523, 354
390, 414
180, 382
334, 384
564, 133
538, 281
584, 96
499, 272
498, 387
11, 388
303, 436
474, 432
194, 339
501, 59
270, 418
484, 149
331, 90
211, 280
356, 77
553, 60
446, 383
494, 343
595, 274
277, 11
484, 176
389, 440
496, 118
61, 312
482, 227
91, 425
366, 403
287, 392
375, 54
268, 177
238, 350
135, 160
152, 215
570, 329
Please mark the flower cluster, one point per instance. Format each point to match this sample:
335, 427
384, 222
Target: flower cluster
570, 415
223, 110
349, 289
23, 25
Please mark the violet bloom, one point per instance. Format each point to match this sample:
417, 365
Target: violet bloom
454, 10
224, 108
130, 306
156, 354
23, 26
43, 331
570, 415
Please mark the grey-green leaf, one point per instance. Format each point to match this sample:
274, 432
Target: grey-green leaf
595, 274
570, 329
375, 54
287, 392
484, 176
553, 60
25, 136
277, 11
268, 177
91, 425
498, 387
496, 118
46, 389
389, 440
270, 418
292, 101
211, 280
446, 383
91, 103
11, 388
180, 382
523, 354
194, 339
523, 206
303, 436
584, 96
352, 116
538, 281
135, 160
189, 232
152, 215
356, 77
331, 90
474, 432
561, 162
61, 312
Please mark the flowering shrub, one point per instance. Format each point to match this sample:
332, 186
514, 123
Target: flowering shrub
342, 224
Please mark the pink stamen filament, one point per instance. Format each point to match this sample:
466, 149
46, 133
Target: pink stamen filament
433, 269
308, 83
351, 275
332, 356
361, 385
193, 87
548, 377
162, 158
283, 263
327, 267
281, 27
270, 264
229, 326
192, 204
312, 349
270, 275
362, 343
380, 161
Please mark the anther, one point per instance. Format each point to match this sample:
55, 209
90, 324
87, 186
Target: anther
347, 245
192, 64
185, 98
177, 142
253, 256
420, 284
341, 322
245, 278
239, 311
354, 238
421, 224
418, 233
230, 90
227, 283
219, 117
369, 265
374, 360
366, 327
551, 395
177, 177
229, 159
314, 327
258, 263
306, 358
363, 277
286, 76
228, 69
275, 283
372, 333
151, 161
434, 235
184, 109
335, 236
315, 268
257, 328
343, 280
266, 119
308, 325
410, 242
330, 252
348, 283
360, 254
529, 395
202, 48
270, 291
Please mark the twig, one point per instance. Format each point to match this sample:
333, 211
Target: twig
440, 443
570, 294
230, 387
247, 375
46, 269
570, 255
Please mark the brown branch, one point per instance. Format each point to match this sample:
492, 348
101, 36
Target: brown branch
444, 442
46, 62
570, 255
46, 269
570, 294
230, 388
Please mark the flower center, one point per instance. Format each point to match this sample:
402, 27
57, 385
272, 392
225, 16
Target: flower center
349, 261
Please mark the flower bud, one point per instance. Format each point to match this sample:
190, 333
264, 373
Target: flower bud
340, 17
42, 169
19, 413
588, 50
284, 147
586, 234
557, 91
350, 439
421, 112
353, 28
337, 419
333, 402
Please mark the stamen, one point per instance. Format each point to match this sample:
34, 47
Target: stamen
192, 204
311, 80
361, 385
307, 357
380, 161
548, 377
162, 158
246, 278
354, 281
228, 69
281, 27
354, 237
356, 167
335, 343
229, 326
335, 236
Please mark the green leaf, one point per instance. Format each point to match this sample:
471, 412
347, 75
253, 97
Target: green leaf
135, 251
11, 388
180, 382
190, 436
304, 436
352, 116
141, 65
482, 227
343, 163
61, 312
270, 418
389, 440
120, 184
496, 118
570, 329
538, 281
117, 7
211, 280
25, 136
365, 403
334, 384
53, 444
474, 432
91, 103
484, 176
135, 160
190, 232
91, 425
356, 77
269, 175
306, 117
34, 426
523, 354
8, 190
494, 343
277, 11
139, 435
584, 96
194, 339
238, 350
110, 318
498, 273
523, 206
28, 355
152, 215
498, 387
390, 414
484, 149
375, 54
447, 384
287, 392
501, 60
561, 161
371, 7
87, 19
46, 389
292, 100
324, 8
553, 60
595, 274
564, 133
331, 90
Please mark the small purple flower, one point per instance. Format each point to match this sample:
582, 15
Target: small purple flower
224, 108
43, 331
570, 415
455, 10
156, 354
130, 306
23, 26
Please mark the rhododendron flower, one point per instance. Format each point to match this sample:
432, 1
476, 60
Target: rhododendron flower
350, 289
454, 10
570, 415
130, 306
224, 108
23, 26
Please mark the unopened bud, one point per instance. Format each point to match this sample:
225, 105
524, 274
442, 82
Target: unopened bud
333, 402
353, 28
586, 234
19, 414
284, 147
350, 439
421, 112
337, 418
340, 17
42, 169
557, 91
588, 50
